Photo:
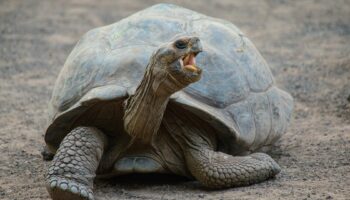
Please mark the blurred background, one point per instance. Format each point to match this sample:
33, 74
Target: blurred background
306, 43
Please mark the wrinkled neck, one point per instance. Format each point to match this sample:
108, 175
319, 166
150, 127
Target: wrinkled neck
144, 110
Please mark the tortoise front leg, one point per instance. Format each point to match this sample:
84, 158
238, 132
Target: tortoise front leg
72, 170
220, 170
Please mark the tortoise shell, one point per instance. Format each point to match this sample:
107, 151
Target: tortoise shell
236, 95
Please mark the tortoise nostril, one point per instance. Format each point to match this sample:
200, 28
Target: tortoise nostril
197, 47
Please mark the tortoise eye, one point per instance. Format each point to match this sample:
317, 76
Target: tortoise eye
180, 44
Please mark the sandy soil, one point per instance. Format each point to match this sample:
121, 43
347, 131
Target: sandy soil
307, 44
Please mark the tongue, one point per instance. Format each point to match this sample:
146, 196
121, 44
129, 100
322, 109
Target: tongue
191, 60
190, 63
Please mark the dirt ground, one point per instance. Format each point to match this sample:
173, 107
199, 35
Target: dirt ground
306, 43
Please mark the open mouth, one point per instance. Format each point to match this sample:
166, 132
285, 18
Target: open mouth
188, 62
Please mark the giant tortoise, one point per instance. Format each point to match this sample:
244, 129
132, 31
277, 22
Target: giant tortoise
166, 90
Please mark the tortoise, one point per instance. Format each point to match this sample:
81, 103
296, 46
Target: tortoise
166, 90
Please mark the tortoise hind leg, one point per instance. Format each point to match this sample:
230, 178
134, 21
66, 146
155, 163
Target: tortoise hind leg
220, 170
72, 170
212, 168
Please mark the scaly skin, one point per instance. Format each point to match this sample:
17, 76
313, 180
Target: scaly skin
164, 76
211, 168
220, 170
72, 170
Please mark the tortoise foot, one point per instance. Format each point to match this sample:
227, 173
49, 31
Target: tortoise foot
68, 189
73, 168
220, 170
262, 157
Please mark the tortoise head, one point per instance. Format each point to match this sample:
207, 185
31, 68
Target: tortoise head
174, 64
171, 68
